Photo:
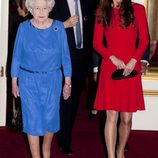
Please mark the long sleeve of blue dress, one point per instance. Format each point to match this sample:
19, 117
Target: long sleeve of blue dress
17, 54
66, 62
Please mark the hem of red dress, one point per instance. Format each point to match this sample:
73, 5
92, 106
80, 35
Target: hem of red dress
118, 110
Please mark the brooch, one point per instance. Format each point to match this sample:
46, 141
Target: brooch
55, 28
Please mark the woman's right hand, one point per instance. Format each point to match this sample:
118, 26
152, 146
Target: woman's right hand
117, 62
15, 88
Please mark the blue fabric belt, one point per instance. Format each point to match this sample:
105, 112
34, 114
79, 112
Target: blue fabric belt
37, 72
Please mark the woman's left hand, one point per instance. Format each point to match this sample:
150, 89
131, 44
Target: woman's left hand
66, 91
129, 67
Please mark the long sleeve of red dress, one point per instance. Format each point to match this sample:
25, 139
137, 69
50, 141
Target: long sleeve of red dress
98, 39
143, 33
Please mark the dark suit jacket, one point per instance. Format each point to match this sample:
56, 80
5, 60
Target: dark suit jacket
61, 12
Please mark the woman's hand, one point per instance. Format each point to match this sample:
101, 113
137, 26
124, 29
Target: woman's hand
117, 62
15, 88
66, 91
67, 88
70, 22
129, 67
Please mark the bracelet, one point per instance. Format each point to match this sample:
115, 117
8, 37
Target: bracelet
68, 85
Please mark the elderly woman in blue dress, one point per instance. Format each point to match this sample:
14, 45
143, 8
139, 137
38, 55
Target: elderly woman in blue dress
40, 51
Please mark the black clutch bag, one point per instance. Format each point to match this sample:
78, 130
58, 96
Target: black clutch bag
17, 115
118, 74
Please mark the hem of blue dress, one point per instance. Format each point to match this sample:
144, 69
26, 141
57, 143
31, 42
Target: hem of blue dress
39, 134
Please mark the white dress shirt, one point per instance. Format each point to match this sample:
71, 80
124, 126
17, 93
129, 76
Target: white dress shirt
71, 4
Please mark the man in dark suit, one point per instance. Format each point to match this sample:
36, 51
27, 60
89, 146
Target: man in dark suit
80, 58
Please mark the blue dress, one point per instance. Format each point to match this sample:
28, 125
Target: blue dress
39, 55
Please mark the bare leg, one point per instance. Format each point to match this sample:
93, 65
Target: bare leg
34, 146
46, 147
111, 132
124, 131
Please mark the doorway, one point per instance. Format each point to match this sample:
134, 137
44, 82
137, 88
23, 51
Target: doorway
3, 58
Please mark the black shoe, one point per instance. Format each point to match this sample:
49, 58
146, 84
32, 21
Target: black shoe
126, 147
65, 151
91, 116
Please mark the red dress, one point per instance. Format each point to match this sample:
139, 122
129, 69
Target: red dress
121, 95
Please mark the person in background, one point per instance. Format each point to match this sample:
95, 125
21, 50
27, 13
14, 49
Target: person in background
22, 15
93, 84
40, 51
21, 8
154, 53
121, 22
80, 15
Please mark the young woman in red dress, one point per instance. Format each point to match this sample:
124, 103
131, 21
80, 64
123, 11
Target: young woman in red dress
122, 23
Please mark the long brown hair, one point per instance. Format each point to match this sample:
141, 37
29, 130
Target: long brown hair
125, 12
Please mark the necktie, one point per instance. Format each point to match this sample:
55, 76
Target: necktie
78, 27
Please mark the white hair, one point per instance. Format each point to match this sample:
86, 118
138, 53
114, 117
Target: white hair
30, 3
